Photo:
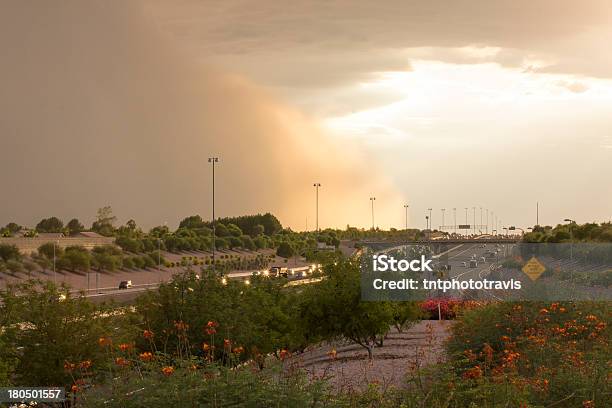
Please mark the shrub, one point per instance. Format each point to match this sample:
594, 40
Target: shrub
8, 252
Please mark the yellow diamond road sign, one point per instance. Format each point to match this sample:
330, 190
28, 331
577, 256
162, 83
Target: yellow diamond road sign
534, 268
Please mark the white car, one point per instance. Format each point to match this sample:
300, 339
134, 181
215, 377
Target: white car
463, 263
482, 259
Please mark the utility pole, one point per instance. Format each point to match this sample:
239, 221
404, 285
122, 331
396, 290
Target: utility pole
571, 222
537, 213
480, 220
54, 275
442, 227
406, 208
487, 228
316, 186
430, 222
455, 218
372, 199
213, 160
474, 211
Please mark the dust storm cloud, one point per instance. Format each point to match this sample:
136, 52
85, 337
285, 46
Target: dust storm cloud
97, 107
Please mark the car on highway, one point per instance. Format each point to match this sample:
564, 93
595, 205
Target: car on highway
278, 271
473, 263
126, 284
482, 259
463, 263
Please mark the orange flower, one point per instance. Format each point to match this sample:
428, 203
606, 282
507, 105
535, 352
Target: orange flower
122, 362
543, 311
211, 330
84, 365
238, 350
74, 388
284, 354
332, 353
212, 324
227, 343
505, 339
146, 356
147, 334
193, 367
205, 347
125, 346
474, 372
168, 371
591, 318
69, 366
588, 404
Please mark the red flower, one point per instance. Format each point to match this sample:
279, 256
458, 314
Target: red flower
146, 356
147, 334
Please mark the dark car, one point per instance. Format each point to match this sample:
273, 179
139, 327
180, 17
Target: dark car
126, 284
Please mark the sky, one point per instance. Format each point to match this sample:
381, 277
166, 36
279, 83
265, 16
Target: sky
462, 104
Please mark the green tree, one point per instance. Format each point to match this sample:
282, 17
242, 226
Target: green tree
74, 226
9, 251
192, 222
50, 249
333, 308
105, 221
285, 250
75, 258
52, 224
50, 328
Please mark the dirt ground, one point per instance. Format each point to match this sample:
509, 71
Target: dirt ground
402, 353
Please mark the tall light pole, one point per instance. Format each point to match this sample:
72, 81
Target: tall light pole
455, 218
430, 221
487, 227
406, 206
213, 160
474, 211
466, 216
316, 186
443, 209
571, 237
372, 199
54, 275
480, 229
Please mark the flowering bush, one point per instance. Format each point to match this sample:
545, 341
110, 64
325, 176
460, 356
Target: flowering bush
449, 308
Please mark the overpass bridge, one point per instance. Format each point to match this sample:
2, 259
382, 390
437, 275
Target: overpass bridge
452, 241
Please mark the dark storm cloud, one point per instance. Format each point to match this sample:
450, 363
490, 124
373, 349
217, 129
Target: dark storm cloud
97, 108
571, 34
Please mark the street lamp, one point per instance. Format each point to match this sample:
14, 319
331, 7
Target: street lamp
406, 206
571, 237
430, 221
443, 210
372, 199
480, 229
213, 160
316, 186
474, 211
